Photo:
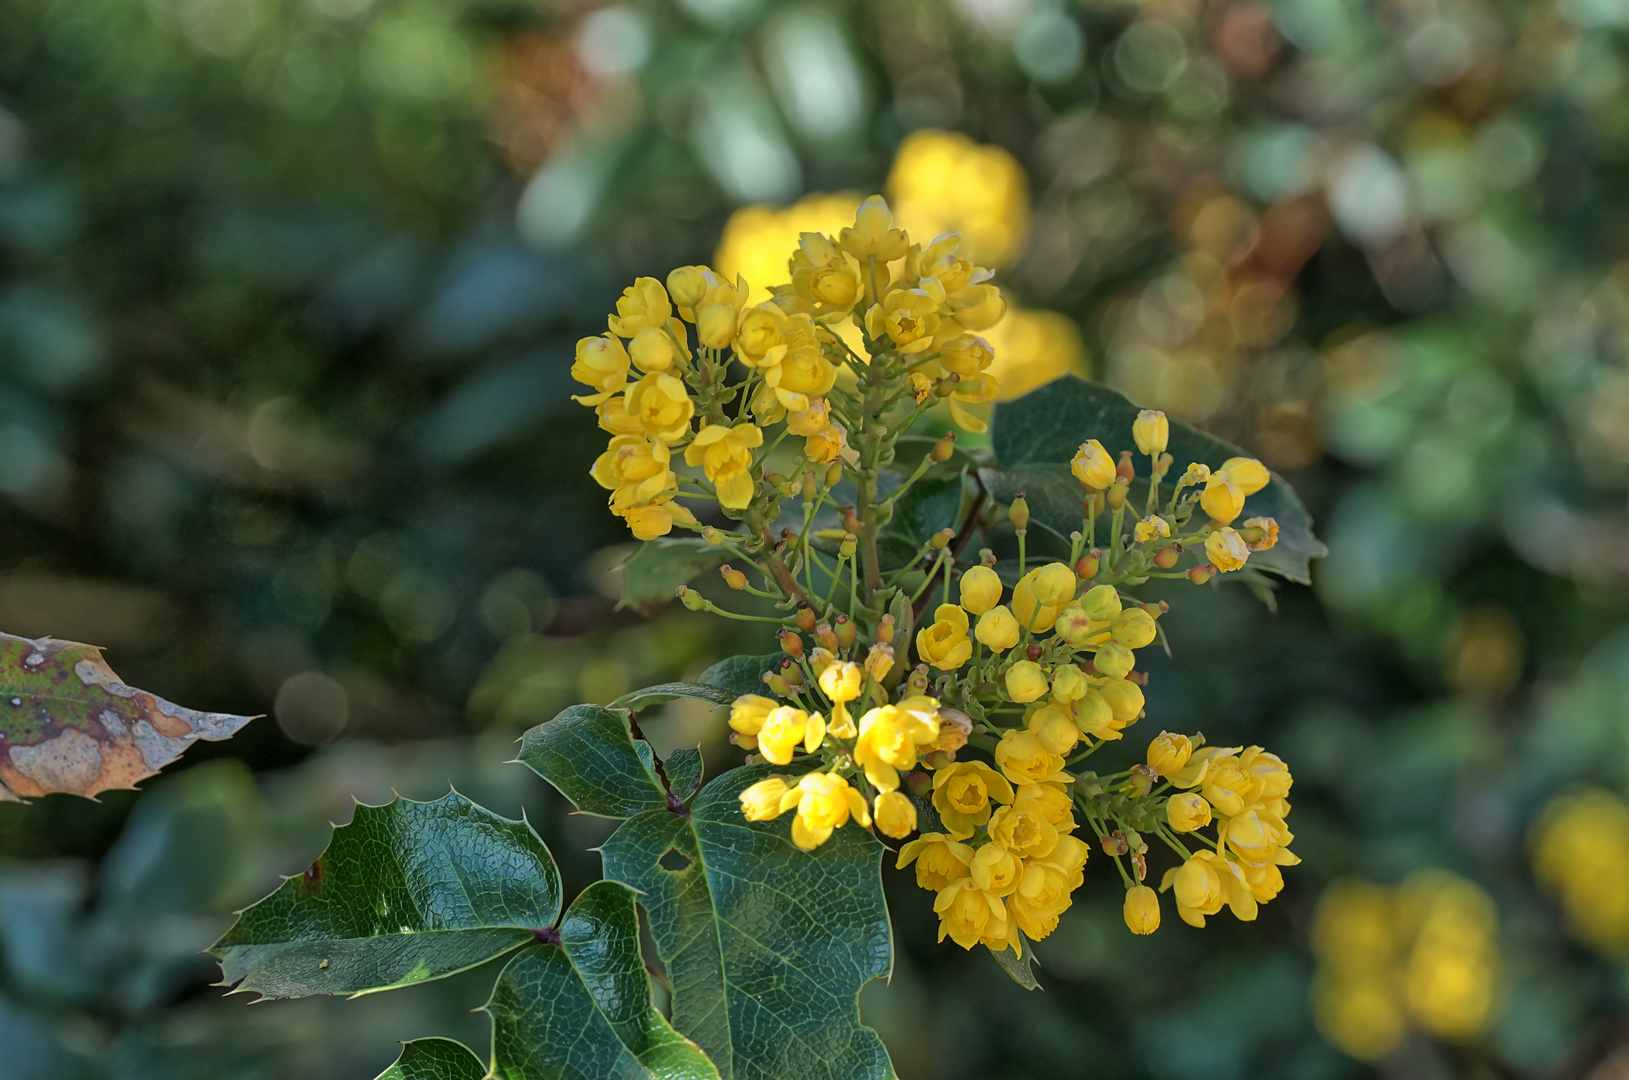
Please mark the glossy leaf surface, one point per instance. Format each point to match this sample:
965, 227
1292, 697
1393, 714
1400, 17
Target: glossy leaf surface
588, 752
435, 1059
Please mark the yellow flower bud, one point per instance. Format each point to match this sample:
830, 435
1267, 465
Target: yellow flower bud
1114, 660
1141, 908
1168, 753
1187, 812
1074, 626
1026, 681
1228, 487
1134, 628
1069, 683
841, 681
762, 801
980, 590
997, 629
1151, 431
1226, 550
1018, 513
1101, 603
642, 304
1125, 698
1093, 466
1054, 727
895, 814
944, 643
601, 363
715, 326
1054, 584
1094, 717
652, 350
748, 713
966, 355
689, 285
663, 407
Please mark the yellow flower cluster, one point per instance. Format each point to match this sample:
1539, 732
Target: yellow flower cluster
660, 377
1581, 851
1424, 954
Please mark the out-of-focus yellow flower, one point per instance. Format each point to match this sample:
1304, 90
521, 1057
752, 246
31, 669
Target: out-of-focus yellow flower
980, 590
1187, 812
943, 182
663, 407
602, 363
890, 738
962, 792
762, 801
1093, 467
784, 728
825, 802
1032, 348
655, 519
1227, 487
725, 455
1141, 909
907, 317
939, 860
895, 814
997, 629
1581, 851
642, 304
1226, 549
748, 713
757, 238
1260, 533
944, 642
1151, 431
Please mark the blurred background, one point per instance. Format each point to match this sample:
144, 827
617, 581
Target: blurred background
288, 295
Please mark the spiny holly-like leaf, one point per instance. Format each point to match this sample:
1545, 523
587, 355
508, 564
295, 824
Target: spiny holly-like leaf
766, 946
1035, 437
684, 771
583, 1008
67, 724
658, 567
435, 1059
406, 892
1018, 967
661, 693
588, 752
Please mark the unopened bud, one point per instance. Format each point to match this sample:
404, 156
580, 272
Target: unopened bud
1115, 844
791, 644
987, 557
1086, 568
848, 547
690, 598
825, 638
918, 682
851, 521
919, 783
734, 578
834, 473
941, 539
1201, 574
1117, 493
1019, 512
846, 631
712, 536
745, 742
947, 386
1168, 556
885, 630
806, 618
1125, 470
792, 673
945, 446
938, 759
777, 682
1033, 652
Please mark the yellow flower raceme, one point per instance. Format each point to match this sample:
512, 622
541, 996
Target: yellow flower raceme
939, 860
1226, 550
824, 802
1093, 466
980, 590
944, 642
1141, 910
962, 792
997, 629
662, 406
1151, 431
725, 455
1228, 487
907, 317
601, 363
642, 304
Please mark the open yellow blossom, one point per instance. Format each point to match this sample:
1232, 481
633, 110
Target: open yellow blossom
1228, 487
725, 455
762, 801
1226, 785
969, 915
602, 363
809, 420
800, 375
1187, 811
895, 814
825, 802
995, 869
1050, 802
1226, 550
890, 738
1024, 760
1045, 891
637, 464
784, 728
841, 682
980, 389
1141, 909
826, 276
642, 304
1026, 834
1152, 527
997, 629
908, 317
662, 406
873, 234
1168, 753
980, 590
1093, 466
944, 643
962, 792
939, 860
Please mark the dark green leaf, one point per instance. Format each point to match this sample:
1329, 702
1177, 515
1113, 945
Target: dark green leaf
661, 693
741, 675
588, 752
1035, 437
931, 504
583, 1008
658, 567
435, 1059
766, 946
67, 724
684, 771
406, 892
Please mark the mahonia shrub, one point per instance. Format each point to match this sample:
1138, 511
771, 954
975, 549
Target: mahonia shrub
927, 695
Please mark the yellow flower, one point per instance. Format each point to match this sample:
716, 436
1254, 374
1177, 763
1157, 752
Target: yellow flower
978, 307
873, 234
1027, 835
651, 521
654, 349
725, 455
908, 317
1226, 550
758, 333
601, 363
966, 354
962, 792
1092, 466
762, 801
825, 445
824, 802
1026, 681
1043, 892
809, 420
1125, 698
1076, 627
939, 860
980, 590
970, 915
1268, 770
800, 375
1268, 533
995, 870
879, 661
1168, 753
1101, 603
895, 814
1196, 474
826, 276
614, 417
1230, 485
1054, 584
997, 629
944, 643
748, 713
1054, 724
1113, 660
1187, 812
689, 286
1150, 528
1151, 431
1254, 836
1204, 883
636, 467
1028, 610
1094, 717
1142, 907
973, 390
1024, 760
642, 304
1134, 628
842, 681
715, 326
784, 728
1226, 785
1049, 802
662, 406
1069, 683
890, 737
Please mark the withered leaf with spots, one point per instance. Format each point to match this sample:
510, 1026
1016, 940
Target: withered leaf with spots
67, 724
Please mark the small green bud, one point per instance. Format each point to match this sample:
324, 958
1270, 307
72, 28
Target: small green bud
690, 598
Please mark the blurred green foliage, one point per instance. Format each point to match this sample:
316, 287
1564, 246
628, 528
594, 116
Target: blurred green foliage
288, 292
